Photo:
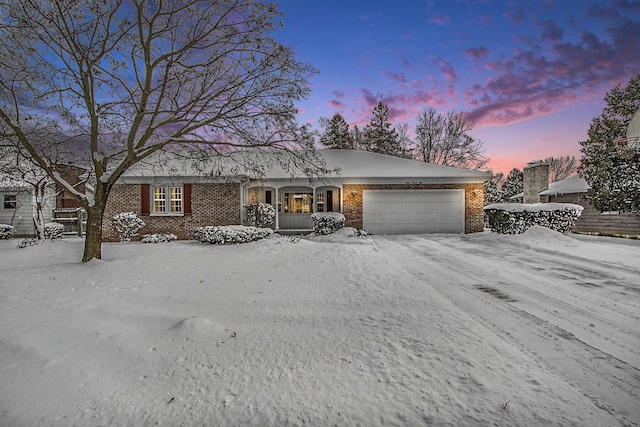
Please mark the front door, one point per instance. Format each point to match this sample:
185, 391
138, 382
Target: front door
329, 200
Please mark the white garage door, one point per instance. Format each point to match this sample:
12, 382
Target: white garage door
413, 211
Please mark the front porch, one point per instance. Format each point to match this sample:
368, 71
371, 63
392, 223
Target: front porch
294, 205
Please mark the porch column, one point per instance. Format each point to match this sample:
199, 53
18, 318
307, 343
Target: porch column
313, 201
277, 224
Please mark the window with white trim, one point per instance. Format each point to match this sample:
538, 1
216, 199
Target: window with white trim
167, 200
9, 201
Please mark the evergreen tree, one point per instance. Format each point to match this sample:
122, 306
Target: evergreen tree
357, 136
379, 135
609, 164
512, 186
491, 192
336, 133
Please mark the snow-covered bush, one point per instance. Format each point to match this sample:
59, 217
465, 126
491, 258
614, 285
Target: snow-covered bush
221, 235
516, 218
158, 238
327, 222
260, 215
6, 231
126, 225
53, 230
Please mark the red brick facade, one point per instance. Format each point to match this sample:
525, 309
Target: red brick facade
474, 202
211, 204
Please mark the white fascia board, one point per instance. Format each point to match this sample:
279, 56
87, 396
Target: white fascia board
178, 179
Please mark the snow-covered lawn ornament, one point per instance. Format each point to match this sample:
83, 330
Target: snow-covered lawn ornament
327, 222
158, 238
53, 230
516, 218
126, 225
260, 215
220, 235
6, 231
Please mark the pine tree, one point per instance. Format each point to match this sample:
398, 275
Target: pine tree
357, 136
336, 134
379, 135
491, 192
609, 164
513, 185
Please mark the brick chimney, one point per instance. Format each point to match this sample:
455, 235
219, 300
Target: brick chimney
536, 179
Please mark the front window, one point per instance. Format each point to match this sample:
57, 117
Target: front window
298, 202
10, 201
167, 200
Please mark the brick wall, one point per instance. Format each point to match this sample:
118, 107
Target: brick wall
212, 204
474, 202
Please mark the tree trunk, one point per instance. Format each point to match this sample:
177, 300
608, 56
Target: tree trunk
93, 238
95, 214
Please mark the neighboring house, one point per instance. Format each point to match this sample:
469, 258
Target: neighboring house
18, 206
573, 190
76, 177
378, 193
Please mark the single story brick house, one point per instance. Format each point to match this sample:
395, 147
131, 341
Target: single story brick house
378, 193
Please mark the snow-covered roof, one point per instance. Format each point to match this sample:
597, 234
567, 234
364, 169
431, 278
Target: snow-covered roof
352, 164
12, 184
573, 184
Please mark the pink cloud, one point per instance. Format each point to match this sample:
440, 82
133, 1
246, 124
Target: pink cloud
440, 20
402, 106
477, 53
538, 81
517, 16
402, 80
334, 103
446, 68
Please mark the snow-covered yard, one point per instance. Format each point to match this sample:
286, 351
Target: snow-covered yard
483, 329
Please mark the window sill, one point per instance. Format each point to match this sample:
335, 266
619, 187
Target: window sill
166, 214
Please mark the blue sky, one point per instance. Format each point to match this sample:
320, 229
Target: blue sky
530, 74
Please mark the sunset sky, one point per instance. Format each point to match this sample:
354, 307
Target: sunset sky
530, 74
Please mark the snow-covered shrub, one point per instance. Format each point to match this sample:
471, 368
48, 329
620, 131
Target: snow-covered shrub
327, 222
221, 235
260, 215
6, 231
158, 238
126, 225
516, 218
53, 230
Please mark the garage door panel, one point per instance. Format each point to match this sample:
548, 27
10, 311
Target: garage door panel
413, 211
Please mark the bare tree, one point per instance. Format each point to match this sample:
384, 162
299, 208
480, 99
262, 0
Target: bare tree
445, 140
561, 167
404, 140
109, 83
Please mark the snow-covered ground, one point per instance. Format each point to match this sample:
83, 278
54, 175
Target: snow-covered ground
481, 329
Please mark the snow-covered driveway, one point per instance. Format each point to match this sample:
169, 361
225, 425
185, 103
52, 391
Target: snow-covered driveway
573, 306
537, 329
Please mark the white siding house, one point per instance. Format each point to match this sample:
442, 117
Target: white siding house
18, 207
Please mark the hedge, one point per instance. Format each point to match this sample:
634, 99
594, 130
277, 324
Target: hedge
516, 218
